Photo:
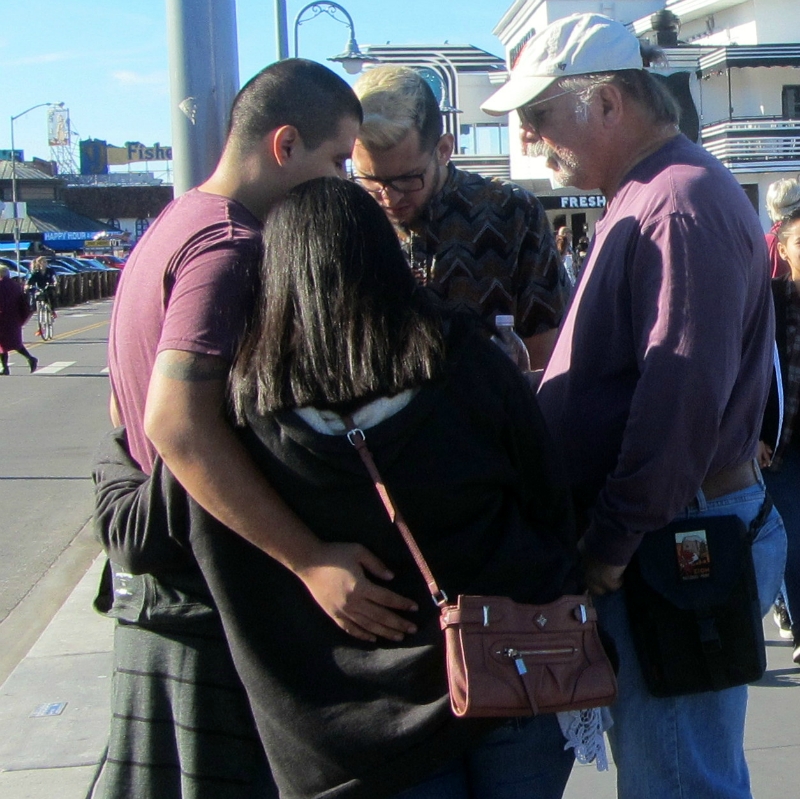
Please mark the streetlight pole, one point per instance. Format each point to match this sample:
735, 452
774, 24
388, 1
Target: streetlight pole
281, 30
203, 79
14, 174
352, 59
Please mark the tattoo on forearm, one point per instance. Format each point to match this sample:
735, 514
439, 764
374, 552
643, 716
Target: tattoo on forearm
192, 368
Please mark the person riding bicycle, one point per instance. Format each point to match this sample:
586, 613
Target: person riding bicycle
42, 279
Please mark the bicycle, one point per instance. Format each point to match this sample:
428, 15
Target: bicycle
44, 314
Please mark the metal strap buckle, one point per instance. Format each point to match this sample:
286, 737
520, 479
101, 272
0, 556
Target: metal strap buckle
351, 435
439, 598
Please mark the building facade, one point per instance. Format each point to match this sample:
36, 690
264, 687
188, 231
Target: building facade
739, 63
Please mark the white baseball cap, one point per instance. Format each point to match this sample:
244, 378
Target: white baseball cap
580, 44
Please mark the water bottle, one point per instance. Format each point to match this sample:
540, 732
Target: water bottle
511, 344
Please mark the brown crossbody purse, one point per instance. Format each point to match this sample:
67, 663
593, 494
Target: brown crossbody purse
505, 658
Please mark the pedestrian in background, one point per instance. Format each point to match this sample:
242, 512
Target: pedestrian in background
660, 374
781, 468
14, 312
42, 278
783, 197
564, 248
581, 248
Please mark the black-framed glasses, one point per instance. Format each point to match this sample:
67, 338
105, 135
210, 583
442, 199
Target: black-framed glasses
403, 184
533, 115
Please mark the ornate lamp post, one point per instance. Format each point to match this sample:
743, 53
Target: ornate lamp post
352, 59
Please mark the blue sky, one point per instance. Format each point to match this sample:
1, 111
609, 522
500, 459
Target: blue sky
107, 61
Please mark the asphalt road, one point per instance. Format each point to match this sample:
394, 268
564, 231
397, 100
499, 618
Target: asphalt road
50, 422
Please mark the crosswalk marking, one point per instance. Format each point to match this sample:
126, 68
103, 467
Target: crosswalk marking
51, 369
54, 368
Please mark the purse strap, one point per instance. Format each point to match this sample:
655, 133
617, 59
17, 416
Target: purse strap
355, 435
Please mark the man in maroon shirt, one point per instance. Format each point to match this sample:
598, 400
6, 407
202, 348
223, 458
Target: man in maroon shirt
181, 307
182, 304
659, 377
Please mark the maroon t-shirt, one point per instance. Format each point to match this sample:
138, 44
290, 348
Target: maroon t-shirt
188, 285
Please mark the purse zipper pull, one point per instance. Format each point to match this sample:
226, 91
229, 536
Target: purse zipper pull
518, 661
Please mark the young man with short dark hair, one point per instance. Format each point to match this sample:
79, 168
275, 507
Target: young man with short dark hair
182, 305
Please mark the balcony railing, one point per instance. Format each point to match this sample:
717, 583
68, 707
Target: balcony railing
755, 144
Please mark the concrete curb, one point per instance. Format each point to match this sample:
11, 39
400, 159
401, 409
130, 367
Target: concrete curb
54, 708
22, 627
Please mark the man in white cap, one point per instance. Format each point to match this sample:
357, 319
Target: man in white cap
660, 374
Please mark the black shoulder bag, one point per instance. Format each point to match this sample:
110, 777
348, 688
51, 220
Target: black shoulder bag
693, 605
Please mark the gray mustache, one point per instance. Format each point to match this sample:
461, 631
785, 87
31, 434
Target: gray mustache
539, 148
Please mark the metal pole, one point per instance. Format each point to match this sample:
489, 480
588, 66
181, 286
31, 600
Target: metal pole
204, 79
448, 72
452, 118
14, 193
14, 175
282, 30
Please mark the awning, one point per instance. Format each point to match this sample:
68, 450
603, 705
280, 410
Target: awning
6, 246
758, 55
65, 245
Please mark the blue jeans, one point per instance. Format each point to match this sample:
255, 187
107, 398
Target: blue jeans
784, 487
688, 746
523, 759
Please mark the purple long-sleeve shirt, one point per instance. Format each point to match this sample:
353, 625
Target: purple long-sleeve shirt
661, 371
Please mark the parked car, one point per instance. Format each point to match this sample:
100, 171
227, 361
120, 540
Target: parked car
110, 260
93, 263
75, 264
15, 268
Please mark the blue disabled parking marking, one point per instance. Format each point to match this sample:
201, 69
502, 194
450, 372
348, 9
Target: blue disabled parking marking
50, 709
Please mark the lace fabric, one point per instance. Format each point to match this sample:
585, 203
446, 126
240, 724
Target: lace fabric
584, 731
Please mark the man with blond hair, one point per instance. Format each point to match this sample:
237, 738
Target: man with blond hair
479, 242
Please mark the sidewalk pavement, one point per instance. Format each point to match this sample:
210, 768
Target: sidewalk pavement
54, 710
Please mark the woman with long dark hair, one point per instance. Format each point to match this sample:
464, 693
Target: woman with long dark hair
350, 709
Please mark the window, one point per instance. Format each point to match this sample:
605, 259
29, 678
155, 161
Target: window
484, 139
751, 190
141, 227
791, 102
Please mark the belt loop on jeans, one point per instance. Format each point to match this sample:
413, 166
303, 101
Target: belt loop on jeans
700, 501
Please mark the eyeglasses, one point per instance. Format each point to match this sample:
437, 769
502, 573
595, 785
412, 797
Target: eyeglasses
531, 116
403, 184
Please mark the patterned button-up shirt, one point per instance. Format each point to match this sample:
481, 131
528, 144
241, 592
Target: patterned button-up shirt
486, 244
